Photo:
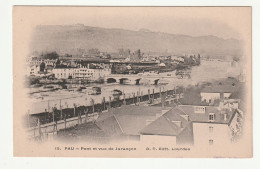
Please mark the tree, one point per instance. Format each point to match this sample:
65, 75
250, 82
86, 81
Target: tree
50, 55
192, 96
42, 66
58, 62
191, 60
138, 53
121, 51
34, 81
198, 59
67, 55
124, 52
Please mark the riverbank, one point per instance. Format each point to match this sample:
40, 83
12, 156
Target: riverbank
206, 72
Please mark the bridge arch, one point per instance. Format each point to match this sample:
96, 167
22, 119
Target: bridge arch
111, 80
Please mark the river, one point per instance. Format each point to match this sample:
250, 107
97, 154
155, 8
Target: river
207, 71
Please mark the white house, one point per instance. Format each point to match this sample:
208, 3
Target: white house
212, 126
84, 72
229, 104
37, 62
64, 72
171, 128
187, 124
32, 70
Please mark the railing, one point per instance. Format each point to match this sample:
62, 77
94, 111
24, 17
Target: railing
41, 131
53, 127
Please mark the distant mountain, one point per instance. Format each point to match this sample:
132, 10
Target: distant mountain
68, 38
144, 30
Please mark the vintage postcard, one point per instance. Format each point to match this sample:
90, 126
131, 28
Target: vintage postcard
132, 81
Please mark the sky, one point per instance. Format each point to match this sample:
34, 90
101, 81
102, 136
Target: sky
224, 22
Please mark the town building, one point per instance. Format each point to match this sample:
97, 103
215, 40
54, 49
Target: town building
179, 125
84, 72
80, 72
37, 62
64, 72
171, 127
32, 70
197, 125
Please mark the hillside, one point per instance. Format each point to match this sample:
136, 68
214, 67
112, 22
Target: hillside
68, 38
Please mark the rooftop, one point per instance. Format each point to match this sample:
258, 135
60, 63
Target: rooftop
228, 85
220, 88
110, 126
130, 119
63, 67
204, 117
161, 126
166, 124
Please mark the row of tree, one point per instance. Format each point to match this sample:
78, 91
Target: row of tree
127, 53
192, 60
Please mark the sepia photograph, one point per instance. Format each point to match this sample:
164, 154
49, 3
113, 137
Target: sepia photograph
132, 82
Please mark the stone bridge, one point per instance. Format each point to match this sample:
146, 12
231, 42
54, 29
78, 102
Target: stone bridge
139, 79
